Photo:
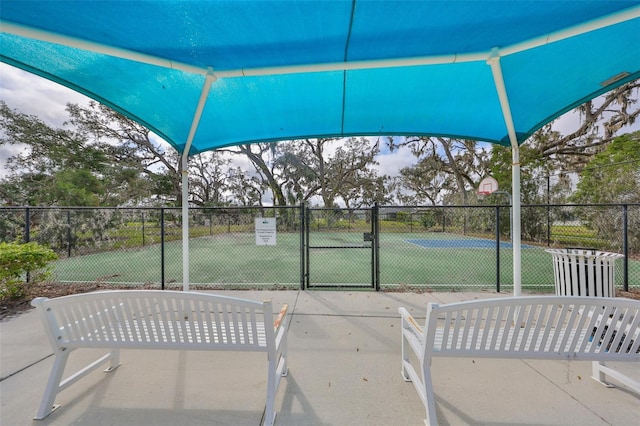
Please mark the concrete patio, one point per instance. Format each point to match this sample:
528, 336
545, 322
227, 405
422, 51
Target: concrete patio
344, 369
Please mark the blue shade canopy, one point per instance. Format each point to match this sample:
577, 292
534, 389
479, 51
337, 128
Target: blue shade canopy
208, 74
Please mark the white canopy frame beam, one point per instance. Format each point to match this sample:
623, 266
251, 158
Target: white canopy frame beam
516, 243
582, 28
204, 94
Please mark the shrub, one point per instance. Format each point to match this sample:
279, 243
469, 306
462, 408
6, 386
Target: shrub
402, 217
428, 220
16, 260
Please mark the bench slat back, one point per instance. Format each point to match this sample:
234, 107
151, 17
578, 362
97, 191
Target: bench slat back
159, 319
536, 327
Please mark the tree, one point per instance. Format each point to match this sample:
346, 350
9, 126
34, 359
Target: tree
210, 175
258, 154
59, 167
601, 120
532, 168
365, 188
151, 169
425, 182
533, 171
347, 170
449, 166
296, 162
312, 167
613, 175
246, 190
295, 171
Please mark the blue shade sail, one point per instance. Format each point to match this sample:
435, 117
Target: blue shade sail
289, 69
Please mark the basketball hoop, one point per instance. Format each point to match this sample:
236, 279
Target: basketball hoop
487, 186
482, 195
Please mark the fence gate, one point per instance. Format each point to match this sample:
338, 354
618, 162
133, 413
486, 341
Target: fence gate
340, 248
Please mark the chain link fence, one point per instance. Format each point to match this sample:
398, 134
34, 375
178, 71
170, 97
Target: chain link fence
455, 248
339, 248
390, 248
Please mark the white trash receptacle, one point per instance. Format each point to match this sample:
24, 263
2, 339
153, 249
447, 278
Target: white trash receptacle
584, 272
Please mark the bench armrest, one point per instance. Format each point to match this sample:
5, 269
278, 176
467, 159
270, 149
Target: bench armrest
278, 321
410, 321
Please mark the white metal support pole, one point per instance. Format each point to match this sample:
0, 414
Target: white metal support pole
185, 177
185, 222
496, 70
516, 233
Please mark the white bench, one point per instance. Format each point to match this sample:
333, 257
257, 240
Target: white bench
155, 319
534, 327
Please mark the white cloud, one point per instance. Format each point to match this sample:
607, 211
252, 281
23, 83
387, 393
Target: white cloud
37, 96
7, 151
392, 162
567, 123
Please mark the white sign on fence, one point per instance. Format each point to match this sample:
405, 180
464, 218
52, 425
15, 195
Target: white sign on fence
266, 231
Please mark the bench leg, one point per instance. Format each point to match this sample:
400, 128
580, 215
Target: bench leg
429, 397
56, 384
283, 369
405, 360
597, 373
53, 385
600, 371
405, 356
423, 385
283, 362
114, 360
272, 384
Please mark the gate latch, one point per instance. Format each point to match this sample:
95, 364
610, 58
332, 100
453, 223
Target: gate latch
368, 236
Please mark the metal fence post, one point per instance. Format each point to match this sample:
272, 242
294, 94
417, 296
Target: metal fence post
498, 249
142, 218
27, 226
68, 233
548, 211
302, 245
625, 246
307, 222
27, 234
162, 248
376, 246
444, 228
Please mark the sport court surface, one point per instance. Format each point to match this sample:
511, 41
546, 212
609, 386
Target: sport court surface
344, 359
462, 243
424, 260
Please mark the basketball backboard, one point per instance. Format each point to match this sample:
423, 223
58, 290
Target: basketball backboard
487, 186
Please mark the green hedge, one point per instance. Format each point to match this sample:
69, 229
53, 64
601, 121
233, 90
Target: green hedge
16, 260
